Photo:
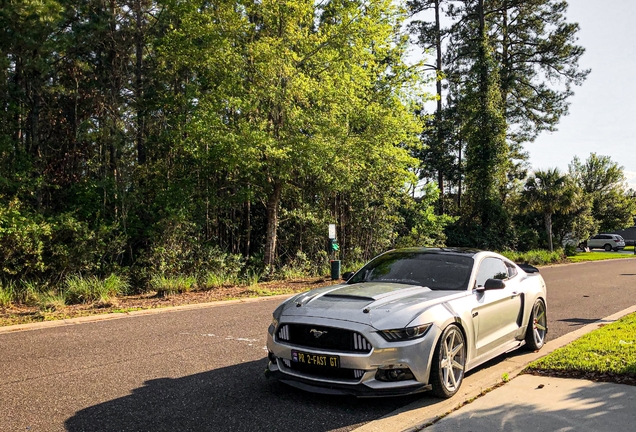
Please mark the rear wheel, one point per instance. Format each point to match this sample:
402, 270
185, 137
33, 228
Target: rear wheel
608, 247
537, 327
449, 361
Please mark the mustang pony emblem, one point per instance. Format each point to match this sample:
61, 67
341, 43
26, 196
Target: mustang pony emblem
317, 333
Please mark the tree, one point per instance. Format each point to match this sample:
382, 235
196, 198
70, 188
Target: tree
547, 192
603, 183
539, 63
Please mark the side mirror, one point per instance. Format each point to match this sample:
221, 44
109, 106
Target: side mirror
348, 275
492, 284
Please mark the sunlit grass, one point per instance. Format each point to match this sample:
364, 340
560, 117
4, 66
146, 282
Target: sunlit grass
610, 349
166, 285
597, 256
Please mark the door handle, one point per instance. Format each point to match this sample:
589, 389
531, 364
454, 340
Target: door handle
515, 294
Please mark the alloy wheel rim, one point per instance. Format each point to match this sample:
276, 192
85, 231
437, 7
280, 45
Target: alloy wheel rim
539, 323
453, 360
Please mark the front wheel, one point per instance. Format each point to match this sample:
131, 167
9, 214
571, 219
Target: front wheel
449, 361
537, 327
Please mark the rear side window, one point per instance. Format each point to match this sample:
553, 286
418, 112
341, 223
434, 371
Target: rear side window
491, 268
512, 270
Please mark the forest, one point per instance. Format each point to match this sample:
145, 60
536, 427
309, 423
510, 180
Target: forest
158, 142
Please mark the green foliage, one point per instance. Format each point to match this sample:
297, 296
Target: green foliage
547, 192
52, 301
604, 187
166, 285
535, 257
79, 289
426, 228
569, 250
23, 237
7, 295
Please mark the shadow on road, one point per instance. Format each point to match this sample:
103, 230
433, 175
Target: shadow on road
235, 398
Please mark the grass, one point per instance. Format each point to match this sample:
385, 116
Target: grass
606, 354
167, 285
79, 289
218, 280
597, 256
7, 294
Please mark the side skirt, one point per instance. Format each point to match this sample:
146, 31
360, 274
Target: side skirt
510, 346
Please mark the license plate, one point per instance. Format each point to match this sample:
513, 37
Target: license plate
330, 361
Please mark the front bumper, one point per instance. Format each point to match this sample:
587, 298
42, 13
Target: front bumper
415, 355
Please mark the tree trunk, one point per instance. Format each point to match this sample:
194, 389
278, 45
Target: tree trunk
248, 224
438, 112
272, 225
139, 47
548, 229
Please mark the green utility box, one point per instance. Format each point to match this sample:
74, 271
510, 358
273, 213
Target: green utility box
335, 269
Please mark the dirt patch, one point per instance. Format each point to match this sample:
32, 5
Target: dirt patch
27, 314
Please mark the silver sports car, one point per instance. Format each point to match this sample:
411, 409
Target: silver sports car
410, 320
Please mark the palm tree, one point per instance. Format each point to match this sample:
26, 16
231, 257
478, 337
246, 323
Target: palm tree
547, 192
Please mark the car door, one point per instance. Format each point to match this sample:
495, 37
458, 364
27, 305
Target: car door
497, 313
596, 242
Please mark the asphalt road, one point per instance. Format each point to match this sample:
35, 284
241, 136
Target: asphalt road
203, 369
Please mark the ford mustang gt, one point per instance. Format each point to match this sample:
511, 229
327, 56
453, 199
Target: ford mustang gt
410, 320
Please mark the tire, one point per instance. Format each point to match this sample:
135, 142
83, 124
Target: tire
447, 370
608, 247
537, 327
582, 246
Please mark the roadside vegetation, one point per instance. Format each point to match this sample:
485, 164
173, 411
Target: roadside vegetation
210, 151
606, 354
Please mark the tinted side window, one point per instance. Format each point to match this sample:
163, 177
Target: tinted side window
597, 237
491, 268
512, 270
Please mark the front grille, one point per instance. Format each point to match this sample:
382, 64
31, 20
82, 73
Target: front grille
324, 338
322, 372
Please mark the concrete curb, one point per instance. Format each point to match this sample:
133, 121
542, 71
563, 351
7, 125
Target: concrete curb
119, 315
417, 415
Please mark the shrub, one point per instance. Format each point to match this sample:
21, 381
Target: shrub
535, 257
570, 250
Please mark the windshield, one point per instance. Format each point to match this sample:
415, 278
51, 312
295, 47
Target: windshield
433, 270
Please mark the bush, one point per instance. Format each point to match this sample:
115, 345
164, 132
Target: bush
535, 257
570, 250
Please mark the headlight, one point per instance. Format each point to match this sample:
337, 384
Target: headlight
272, 326
408, 333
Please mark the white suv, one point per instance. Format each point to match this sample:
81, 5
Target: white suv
605, 241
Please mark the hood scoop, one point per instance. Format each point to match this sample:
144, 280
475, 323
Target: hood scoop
349, 297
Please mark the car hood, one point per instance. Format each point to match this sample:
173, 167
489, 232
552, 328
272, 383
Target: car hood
378, 304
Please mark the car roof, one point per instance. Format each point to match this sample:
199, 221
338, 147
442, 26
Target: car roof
442, 250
